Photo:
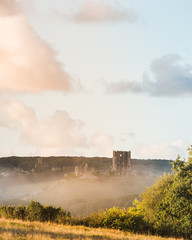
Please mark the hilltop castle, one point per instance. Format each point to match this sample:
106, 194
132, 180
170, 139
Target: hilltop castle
121, 162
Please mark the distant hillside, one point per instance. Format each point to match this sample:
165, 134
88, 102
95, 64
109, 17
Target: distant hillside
43, 164
66, 164
156, 166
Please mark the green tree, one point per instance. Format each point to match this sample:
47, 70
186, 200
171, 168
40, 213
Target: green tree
167, 205
34, 211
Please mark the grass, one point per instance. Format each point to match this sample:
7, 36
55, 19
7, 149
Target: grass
19, 230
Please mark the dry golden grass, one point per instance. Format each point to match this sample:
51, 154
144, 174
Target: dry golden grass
18, 230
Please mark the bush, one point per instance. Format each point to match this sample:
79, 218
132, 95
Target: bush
115, 218
36, 212
20, 212
94, 220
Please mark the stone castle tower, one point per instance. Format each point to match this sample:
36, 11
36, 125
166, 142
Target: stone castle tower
121, 162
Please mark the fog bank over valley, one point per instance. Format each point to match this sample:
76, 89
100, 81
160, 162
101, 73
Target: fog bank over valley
81, 185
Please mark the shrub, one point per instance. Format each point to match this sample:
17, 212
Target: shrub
7, 212
115, 218
20, 212
36, 212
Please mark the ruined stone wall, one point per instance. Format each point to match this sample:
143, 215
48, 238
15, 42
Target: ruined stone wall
121, 162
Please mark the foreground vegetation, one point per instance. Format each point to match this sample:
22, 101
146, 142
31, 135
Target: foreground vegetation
19, 230
165, 209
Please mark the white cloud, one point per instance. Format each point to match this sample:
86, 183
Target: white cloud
102, 143
169, 77
124, 137
163, 150
27, 63
58, 134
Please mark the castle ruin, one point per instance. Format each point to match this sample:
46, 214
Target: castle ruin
121, 162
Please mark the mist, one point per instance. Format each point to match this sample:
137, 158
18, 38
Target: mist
81, 185
80, 196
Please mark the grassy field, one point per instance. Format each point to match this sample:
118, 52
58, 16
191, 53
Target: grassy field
15, 229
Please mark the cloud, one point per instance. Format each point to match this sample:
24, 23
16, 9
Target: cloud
169, 77
163, 150
97, 11
102, 143
27, 63
8, 8
126, 136
122, 86
58, 130
51, 135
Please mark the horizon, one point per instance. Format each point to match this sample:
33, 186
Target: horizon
71, 156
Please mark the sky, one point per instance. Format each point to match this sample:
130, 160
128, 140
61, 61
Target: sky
86, 77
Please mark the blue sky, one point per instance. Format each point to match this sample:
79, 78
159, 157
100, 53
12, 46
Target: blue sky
85, 77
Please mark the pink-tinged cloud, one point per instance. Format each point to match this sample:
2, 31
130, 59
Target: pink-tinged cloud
27, 63
102, 143
103, 11
58, 134
8, 7
58, 130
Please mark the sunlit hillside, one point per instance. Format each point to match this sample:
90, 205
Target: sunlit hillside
19, 230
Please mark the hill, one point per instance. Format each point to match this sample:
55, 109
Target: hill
66, 164
19, 230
